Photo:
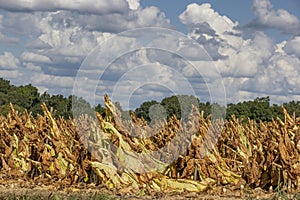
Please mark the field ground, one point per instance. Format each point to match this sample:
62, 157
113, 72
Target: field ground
20, 189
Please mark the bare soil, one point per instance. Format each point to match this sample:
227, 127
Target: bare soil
21, 189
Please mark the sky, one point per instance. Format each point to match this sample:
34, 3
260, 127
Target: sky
137, 50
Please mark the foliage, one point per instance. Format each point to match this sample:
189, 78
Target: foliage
258, 110
179, 105
143, 110
27, 97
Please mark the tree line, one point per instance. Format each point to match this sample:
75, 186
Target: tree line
28, 97
257, 109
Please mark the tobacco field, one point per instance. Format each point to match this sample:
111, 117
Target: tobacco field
133, 158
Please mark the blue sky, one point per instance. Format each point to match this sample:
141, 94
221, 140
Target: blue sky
224, 51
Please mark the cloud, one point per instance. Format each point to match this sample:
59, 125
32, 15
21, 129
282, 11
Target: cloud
139, 18
57, 40
69, 34
8, 61
33, 67
64, 45
25, 24
252, 66
52, 81
280, 77
150, 79
210, 29
69, 41
33, 57
38, 44
58, 35
247, 60
10, 74
132, 66
203, 14
133, 4
36, 23
276, 76
233, 55
292, 47
162, 65
7, 39
99, 7
267, 17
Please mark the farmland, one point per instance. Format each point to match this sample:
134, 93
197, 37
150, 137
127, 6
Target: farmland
101, 152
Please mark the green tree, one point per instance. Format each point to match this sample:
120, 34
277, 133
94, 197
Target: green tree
99, 109
179, 105
143, 110
217, 111
205, 107
79, 106
60, 105
4, 89
258, 109
277, 112
293, 107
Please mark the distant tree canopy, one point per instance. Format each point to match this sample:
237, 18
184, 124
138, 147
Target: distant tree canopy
259, 109
143, 110
28, 97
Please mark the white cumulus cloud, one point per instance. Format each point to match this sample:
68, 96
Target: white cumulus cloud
197, 14
292, 47
8, 61
268, 17
133, 4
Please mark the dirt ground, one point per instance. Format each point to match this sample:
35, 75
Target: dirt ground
18, 189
